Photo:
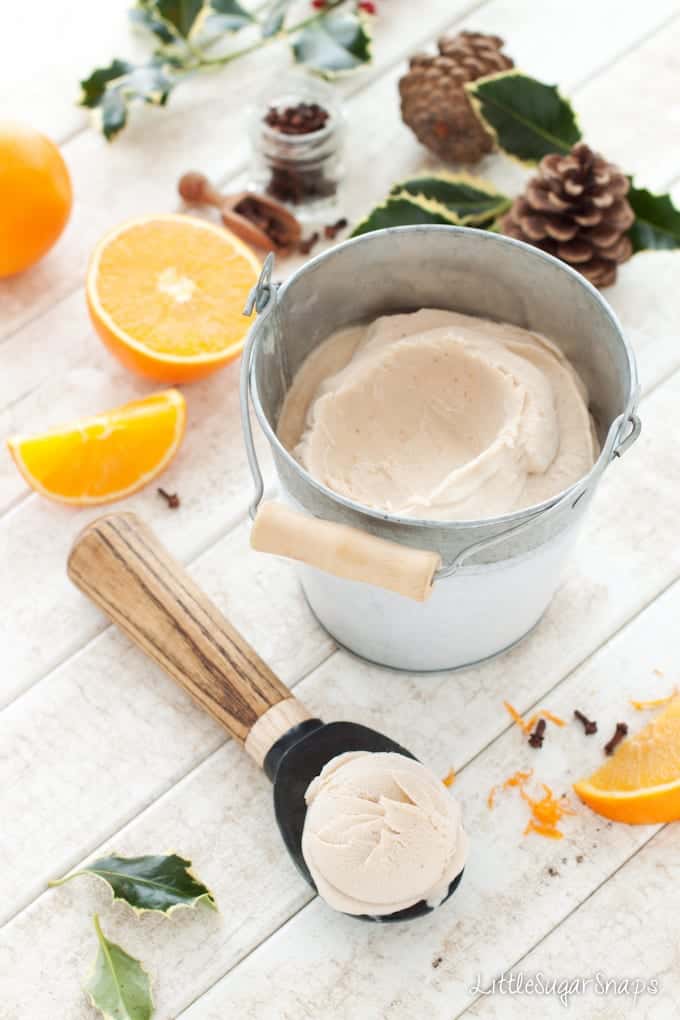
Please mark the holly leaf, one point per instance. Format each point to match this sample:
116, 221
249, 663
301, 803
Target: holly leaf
402, 211
222, 16
118, 987
335, 44
469, 200
181, 14
110, 90
92, 89
657, 221
145, 13
152, 882
274, 17
527, 118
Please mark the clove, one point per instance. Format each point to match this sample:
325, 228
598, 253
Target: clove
171, 498
307, 243
332, 229
619, 733
588, 724
536, 738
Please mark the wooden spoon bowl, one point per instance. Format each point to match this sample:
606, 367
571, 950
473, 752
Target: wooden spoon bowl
255, 218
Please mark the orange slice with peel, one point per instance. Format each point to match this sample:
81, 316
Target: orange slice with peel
101, 459
640, 783
166, 295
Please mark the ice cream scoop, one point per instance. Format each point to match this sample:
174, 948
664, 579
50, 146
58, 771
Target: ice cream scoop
414, 827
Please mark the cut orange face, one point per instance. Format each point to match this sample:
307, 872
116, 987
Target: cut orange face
166, 295
101, 459
640, 783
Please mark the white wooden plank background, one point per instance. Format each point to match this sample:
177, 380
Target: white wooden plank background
99, 750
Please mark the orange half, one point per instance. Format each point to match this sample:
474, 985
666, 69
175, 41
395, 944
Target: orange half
101, 459
640, 783
166, 295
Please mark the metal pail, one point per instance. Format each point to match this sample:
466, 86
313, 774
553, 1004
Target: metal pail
497, 575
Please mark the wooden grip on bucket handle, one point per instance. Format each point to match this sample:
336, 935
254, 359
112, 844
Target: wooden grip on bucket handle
344, 551
118, 562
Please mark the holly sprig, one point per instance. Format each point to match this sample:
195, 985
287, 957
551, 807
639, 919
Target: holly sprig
192, 36
528, 119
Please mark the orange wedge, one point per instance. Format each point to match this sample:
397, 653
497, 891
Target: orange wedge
640, 783
166, 295
101, 459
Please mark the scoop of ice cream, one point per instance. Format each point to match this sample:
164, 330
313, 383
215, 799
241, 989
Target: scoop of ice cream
440, 416
381, 833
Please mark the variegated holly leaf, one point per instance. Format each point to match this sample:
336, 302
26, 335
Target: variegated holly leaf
118, 987
152, 882
181, 14
527, 118
92, 89
145, 13
110, 90
224, 16
402, 211
273, 17
469, 200
334, 44
657, 221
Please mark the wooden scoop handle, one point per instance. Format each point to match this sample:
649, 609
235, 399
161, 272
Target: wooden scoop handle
118, 562
344, 551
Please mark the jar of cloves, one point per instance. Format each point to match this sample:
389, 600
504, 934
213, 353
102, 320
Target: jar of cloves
297, 129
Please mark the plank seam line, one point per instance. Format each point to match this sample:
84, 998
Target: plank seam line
574, 910
361, 86
177, 784
210, 987
462, 768
208, 543
172, 785
661, 26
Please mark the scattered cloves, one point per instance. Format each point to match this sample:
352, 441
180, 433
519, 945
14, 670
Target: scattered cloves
588, 724
332, 229
619, 733
307, 243
536, 738
437, 961
171, 498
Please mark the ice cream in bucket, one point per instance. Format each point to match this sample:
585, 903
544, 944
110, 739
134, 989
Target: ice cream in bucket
407, 591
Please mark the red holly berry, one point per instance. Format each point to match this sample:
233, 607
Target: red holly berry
368, 7
319, 4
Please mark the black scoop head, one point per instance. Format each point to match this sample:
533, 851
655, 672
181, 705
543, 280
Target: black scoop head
298, 758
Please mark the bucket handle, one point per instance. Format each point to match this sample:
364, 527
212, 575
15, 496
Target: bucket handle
338, 548
262, 298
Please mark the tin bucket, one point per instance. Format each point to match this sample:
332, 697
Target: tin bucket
492, 579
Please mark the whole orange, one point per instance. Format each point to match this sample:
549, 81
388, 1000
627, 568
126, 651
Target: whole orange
35, 196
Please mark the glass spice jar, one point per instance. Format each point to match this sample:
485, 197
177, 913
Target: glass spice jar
296, 130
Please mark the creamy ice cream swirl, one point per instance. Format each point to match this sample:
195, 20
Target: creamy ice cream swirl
381, 833
441, 416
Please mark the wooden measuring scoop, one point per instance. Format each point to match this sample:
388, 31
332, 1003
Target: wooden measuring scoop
255, 218
120, 564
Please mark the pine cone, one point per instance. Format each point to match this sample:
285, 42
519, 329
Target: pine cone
576, 208
434, 103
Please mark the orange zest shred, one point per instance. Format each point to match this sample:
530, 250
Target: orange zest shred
546, 811
518, 778
641, 706
515, 716
552, 718
527, 725
450, 778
